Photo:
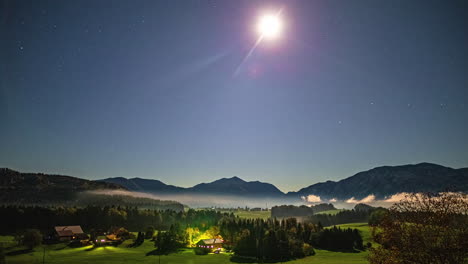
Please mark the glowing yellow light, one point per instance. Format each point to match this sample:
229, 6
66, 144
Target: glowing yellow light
269, 26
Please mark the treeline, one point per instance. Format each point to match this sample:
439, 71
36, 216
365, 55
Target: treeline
273, 240
337, 239
299, 211
356, 215
291, 211
342, 217
17, 218
97, 199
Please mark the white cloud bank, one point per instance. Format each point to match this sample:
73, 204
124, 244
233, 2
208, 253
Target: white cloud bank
366, 200
312, 198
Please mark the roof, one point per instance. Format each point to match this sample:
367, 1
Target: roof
212, 241
65, 233
65, 230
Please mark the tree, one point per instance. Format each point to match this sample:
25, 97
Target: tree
139, 240
376, 216
2, 255
171, 240
423, 228
149, 232
30, 238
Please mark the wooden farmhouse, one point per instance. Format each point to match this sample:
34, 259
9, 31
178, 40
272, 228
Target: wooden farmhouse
213, 244
65, 233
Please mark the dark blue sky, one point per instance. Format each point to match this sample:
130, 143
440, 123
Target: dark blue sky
99, 89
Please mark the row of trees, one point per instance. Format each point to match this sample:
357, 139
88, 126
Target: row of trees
274, 240
17, 218
308, 214
299, 211
342, 217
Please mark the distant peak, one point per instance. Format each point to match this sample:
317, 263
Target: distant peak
232, 179
113, 178
428, 164
235, 178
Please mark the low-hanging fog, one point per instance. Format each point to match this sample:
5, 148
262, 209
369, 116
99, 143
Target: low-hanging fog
226, 201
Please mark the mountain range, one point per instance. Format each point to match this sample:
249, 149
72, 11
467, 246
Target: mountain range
381, 181
388, 180
225, 186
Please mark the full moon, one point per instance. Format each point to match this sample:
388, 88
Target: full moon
269, 26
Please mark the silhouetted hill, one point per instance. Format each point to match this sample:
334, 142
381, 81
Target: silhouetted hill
388, 180
237, 186
225, 186
17, 187
143, 185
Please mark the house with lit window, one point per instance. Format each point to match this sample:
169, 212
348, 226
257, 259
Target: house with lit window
212, 244
66, 233
107, 240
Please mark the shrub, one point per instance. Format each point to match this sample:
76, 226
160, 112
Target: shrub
201, 251
30, 238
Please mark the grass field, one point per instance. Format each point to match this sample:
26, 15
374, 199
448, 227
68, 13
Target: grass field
363, 228
253, 214
122, 254
331, 212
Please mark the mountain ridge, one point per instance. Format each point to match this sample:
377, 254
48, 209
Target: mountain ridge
388, 180
380, 181
224, 186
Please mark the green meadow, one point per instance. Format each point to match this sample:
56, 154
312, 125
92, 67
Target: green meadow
331, 212
253, 214
59, 253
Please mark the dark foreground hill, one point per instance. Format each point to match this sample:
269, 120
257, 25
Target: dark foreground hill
388, 180
17, 187
39, 188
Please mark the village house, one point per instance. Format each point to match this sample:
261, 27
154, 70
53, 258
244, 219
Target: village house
66, 233
105, 240
214, 244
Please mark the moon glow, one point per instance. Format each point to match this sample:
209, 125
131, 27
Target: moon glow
270, 26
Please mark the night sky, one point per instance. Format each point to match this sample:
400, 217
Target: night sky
149, 89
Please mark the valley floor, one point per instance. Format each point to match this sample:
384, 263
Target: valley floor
123, 254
